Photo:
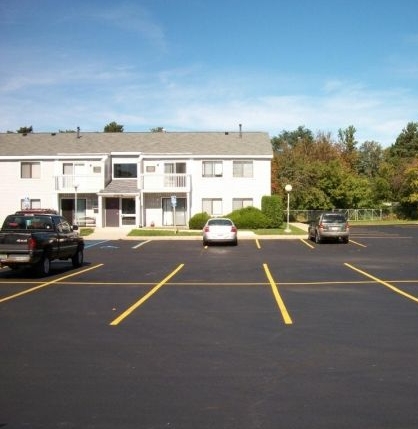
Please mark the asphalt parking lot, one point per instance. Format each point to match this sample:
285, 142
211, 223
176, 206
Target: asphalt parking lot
171, 334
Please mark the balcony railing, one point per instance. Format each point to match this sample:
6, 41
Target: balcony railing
146, 182
84, 183
164, 182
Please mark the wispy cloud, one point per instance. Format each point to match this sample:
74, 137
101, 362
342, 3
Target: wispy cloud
132, 17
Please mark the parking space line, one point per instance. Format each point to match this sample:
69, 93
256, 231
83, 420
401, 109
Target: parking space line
357, 243
133, 307
307, 243
141, 244
42, 285
382, 282
286, 317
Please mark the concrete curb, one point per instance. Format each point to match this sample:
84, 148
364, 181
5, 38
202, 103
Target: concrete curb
122, 234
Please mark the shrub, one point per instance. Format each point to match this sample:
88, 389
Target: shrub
272, 208
198, 220
250, 218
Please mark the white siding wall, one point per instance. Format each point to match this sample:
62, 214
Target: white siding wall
14, 189
228, 187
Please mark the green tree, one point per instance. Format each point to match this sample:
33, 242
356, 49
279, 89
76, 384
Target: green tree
25, 130
348, 144
406, 145
289, 139
157, 130
113, 127
370, 155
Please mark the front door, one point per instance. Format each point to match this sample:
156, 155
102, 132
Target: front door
112, 212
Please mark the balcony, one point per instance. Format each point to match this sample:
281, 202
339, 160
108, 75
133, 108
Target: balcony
84, 183
146, 182
165, 182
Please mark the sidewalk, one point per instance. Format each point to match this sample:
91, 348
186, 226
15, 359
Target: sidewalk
122, 234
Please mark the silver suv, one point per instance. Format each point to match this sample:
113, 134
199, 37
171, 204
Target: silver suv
329, 226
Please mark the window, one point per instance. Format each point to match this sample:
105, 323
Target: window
123, 171
150, 168
30, 170
243, 169
28, 203
240, 203
70, 168
175, 168
212, 206
212, 169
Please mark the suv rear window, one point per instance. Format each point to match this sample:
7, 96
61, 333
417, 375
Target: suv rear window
333, 218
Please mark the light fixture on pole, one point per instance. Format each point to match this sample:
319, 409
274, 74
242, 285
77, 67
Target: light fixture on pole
75, 204
288, 189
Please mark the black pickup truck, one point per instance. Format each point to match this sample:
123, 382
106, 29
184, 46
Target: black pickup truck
35, 238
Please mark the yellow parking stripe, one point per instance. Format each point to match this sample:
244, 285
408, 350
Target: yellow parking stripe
382, 282
275, 290
58, 279
133, 307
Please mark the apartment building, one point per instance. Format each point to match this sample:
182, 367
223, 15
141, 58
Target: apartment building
134, 179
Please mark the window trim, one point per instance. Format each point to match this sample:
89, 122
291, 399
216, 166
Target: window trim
31, 166
216, 169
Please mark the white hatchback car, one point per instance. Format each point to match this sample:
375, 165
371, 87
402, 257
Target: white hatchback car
220, 230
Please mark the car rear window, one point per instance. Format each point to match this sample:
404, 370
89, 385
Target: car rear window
220, 222
334, 218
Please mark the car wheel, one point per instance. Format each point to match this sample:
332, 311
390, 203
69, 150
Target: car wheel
317, 238
43, 267
78, 258
345, 240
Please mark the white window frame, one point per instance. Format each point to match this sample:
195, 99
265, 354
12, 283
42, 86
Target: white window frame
243, 168
240, 203
212, 169
30, 170
212, 206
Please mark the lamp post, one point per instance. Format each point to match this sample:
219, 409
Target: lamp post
75, 204
288, 189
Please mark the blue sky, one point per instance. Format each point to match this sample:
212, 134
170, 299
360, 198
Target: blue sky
210, 65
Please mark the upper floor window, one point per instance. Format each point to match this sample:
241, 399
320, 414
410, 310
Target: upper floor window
123, 171
243, 169
72, 168
30, 170
212, 169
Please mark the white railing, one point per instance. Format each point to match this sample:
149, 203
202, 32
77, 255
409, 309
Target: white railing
164, 182
83, 183
146, 182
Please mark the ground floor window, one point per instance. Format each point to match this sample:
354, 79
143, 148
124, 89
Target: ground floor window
240, 203
212, 206
28, 203
128, 211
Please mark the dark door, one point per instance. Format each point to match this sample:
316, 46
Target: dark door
112, 212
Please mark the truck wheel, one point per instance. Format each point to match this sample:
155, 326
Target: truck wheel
43, 267
78, 258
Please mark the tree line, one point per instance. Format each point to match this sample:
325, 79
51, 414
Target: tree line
340, 174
